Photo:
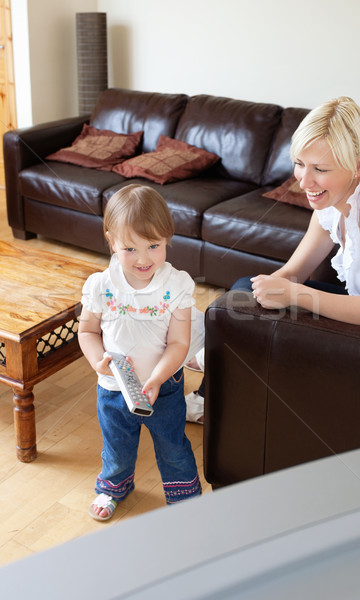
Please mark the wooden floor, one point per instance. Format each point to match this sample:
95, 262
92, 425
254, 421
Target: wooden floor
45, 503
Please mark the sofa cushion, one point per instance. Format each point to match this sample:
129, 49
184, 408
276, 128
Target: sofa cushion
279, 165
98, 148
189, 199
173, 160
239, 132
290, 193
69, 186
257, 225
128, 111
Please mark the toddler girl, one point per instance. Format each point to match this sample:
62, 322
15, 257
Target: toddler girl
141, 307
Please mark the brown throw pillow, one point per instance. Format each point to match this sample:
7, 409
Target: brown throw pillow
289, 192
172, 160
98, 148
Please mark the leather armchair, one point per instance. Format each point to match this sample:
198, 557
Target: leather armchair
281, 388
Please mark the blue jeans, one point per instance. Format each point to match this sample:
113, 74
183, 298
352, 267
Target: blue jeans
244, 284
121, 432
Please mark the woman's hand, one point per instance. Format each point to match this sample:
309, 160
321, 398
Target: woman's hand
273, 292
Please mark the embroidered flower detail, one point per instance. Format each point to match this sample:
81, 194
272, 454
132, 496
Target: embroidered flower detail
163, 307
123, 309
118, 306
151, 310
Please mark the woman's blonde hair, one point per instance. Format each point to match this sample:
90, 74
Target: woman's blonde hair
338, 123
140, 209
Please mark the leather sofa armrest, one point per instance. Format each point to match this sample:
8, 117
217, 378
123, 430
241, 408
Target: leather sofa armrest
281, 388
26, 147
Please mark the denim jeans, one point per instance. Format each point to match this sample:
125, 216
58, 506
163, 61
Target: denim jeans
244, 284
121, 431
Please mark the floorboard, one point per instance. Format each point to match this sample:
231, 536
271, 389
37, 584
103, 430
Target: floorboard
45, 503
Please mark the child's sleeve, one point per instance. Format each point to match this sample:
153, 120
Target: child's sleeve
92, 296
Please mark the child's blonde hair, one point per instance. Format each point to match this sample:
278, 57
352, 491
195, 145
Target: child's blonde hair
338, 123
141, 209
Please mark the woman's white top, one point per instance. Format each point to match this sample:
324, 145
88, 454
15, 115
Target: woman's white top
347, 260
136, 322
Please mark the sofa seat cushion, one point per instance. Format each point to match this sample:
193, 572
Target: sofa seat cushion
69, 186
189, 199
257, 225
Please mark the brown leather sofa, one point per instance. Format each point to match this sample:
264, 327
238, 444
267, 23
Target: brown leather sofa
224, 227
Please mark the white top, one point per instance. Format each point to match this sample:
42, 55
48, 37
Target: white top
136, 322
347, 260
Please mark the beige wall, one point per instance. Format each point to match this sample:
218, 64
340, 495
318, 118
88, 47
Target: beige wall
297, 54
291, 53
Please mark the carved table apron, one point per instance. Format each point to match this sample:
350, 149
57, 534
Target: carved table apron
39, 308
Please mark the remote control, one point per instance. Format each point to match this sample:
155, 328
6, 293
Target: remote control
130, 385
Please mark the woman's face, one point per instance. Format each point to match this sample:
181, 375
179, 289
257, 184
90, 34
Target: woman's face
324, 181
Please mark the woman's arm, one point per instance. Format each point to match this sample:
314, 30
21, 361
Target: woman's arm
334, 306
282, 288
312, 250
278, 292
90, 341
177, 346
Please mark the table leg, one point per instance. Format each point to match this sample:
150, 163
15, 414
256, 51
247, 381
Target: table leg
24, 420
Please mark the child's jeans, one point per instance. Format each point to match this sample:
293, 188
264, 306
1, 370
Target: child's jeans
121, 430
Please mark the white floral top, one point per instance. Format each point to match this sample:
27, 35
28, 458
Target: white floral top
347, 260
136, 322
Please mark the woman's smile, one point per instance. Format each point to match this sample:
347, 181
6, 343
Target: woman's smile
315, 196
323, 180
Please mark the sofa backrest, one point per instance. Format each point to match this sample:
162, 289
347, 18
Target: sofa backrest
279, 166
238, 131
128, 111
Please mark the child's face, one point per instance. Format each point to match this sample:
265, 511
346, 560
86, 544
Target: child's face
139, 257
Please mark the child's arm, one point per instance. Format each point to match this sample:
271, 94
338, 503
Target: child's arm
90, 341
177, 346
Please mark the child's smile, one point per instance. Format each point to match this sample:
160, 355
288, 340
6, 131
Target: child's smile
140, 258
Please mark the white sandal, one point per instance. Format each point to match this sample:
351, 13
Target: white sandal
194, 407
105, 502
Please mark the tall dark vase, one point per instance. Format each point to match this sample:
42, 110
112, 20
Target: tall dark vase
91, 43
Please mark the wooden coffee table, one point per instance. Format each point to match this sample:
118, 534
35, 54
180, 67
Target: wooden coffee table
40, 296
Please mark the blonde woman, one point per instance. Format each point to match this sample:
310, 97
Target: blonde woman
325, 151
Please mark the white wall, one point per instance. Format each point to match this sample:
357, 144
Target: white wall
21, 57
297, 54
44, 34
291, 53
